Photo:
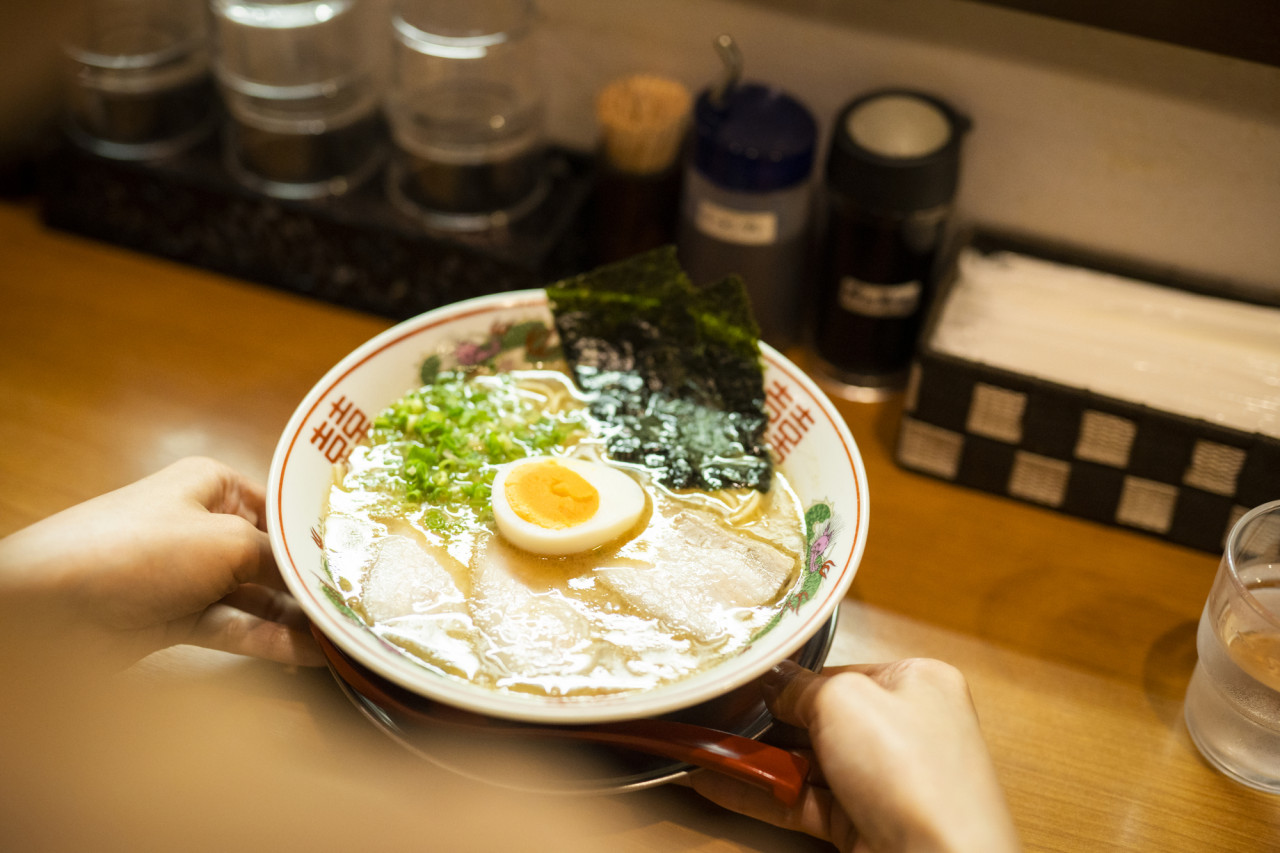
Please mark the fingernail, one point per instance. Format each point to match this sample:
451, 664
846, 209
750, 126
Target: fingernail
777, 679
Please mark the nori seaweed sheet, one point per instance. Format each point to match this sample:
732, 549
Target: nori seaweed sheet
674, 368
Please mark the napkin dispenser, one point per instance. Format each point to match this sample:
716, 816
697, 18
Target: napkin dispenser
1098, 388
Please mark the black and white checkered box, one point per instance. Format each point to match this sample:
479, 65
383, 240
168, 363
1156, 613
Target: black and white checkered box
1068, 449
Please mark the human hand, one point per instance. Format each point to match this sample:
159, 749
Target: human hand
180, 556
901, 762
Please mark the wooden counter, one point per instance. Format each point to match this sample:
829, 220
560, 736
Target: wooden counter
1078, 639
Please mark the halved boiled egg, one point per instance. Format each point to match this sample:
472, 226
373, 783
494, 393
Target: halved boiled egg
555, 505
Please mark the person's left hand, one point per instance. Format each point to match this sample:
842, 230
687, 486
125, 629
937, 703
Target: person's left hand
180, 556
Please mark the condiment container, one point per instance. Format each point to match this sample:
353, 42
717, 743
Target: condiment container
302, 82
466, 111
747, 196
140, 86
644, 119
891, 177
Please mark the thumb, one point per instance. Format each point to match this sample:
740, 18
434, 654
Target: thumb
788, 692
791, 691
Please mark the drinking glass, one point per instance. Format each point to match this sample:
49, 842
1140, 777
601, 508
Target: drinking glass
302, 81
466, 112
1232, 706
140, 86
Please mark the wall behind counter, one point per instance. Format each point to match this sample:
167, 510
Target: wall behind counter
1125, 146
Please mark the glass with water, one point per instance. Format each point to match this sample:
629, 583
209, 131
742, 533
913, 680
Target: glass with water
1232, 707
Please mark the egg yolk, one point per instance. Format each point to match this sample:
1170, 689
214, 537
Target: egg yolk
551, 496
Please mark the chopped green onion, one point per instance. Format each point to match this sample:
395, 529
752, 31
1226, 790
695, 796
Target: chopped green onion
452, 434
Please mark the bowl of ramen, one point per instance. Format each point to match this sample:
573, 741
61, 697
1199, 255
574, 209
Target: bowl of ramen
598, 501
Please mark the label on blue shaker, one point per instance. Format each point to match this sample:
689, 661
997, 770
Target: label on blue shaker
879, 300
744, 227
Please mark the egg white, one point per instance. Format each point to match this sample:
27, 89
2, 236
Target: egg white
622, 501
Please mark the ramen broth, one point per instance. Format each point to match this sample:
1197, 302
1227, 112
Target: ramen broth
690, 583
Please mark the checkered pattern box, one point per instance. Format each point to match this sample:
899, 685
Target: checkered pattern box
1104, 459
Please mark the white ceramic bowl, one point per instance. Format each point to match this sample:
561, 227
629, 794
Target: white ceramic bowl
811, 441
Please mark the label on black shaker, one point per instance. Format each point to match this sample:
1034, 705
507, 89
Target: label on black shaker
879, 300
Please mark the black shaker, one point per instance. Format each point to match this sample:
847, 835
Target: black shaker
891, 177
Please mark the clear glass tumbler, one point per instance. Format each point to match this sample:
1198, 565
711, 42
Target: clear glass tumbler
466, 112
303, 83
140, 86
1232, 707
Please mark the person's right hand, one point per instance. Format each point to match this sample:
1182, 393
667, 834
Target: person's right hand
180, 556
901, 763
